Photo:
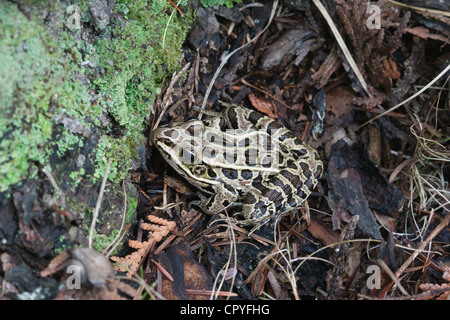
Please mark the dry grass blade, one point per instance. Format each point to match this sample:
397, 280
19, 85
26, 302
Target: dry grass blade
193, 292
116, 241
440, 75
167, 97
144, 286
343, 46
163, 270
232, 257
52, 181
428, 179
176, 6
385, 267
170, 18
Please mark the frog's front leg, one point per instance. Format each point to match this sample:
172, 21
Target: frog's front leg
225, 197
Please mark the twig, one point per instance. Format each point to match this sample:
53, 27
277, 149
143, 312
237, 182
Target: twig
168, 22
233, 253
385, 267
194, 292
165, 105
176, 7
420, 296
444, 13
99, 202
163, 270
266, 93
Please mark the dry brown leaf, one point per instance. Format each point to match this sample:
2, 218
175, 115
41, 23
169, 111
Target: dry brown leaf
177, 184
322, 233
262, 105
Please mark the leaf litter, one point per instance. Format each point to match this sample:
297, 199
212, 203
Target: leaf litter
383, 201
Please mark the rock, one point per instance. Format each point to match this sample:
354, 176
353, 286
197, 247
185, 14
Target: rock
95, 267
288, 44
100, 12
207, 27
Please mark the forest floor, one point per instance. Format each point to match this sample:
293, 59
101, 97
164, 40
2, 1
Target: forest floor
367, 87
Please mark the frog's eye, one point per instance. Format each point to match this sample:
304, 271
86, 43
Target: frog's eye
168, 137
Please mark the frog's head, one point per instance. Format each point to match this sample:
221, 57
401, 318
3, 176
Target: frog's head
181, 146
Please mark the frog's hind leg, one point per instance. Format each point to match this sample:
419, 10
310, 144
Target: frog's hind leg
284, 191
256, 207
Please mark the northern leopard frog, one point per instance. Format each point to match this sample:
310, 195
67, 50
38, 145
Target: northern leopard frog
241, 158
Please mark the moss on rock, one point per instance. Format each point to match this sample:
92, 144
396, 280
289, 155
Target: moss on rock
74, 97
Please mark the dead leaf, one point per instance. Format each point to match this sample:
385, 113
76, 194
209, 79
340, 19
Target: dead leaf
340, 106
322, 233
177, 184
187, 273
262, 105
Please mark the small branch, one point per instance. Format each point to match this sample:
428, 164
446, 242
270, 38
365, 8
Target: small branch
422, 9
440, 75
385, 267
99, 202
176, 7
52, 181
168, 22
163, 270
225, 60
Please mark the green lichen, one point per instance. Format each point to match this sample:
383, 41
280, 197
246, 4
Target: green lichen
26, 72
212, 3
135, 63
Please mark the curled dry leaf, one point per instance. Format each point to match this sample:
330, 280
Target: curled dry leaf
262, 105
